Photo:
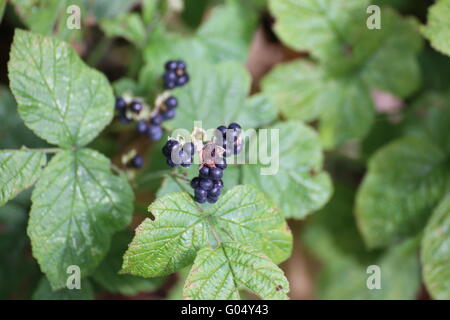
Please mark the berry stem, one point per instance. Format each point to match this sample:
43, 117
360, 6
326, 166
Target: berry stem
45, 150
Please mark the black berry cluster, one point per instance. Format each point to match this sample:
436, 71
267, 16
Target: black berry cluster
229, 139
208, 185
178, 153
152, 127
135, 106
175, 74
149, 123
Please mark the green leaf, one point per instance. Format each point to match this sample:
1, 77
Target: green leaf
219, 273
44, 291
107, 273
399, 270
59, 97
436, 251
438, 26
13, 133
19, 170
216, 95
331, 235
337, 91
181, 228
318, 26
129, 26
77, 205
2, 8
410, 175
302, 187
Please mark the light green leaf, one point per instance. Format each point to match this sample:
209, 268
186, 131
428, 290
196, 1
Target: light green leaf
44, 291
337, 91
302, 187
181, 227
438, 26
331, 235
77, 205
219, 273
410, 176
217, 95
400, 276
436, 251
59, 97
107, 273
19, 170
129, 26
318, 26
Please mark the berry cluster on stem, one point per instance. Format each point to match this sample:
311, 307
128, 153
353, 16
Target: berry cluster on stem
149, 120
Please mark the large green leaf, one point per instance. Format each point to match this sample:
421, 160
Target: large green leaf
301, 185
129, 26
318, 26
59, 97
217, 95
181, 227
44, 291
18, 171
404, 182
338, 90
331, 235
77, 205
438, 26
107, 273
219, 273
436, 251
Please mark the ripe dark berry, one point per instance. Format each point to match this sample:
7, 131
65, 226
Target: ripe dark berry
218, 184
171, 65
169, 114
136, 106
206, 183
214, 192
211, 199
181, 81
142, 127
189, 148
221, 164
170, 84
171, 102
168, 147
181, 65
154, 132
157, 119
195, 183
200, 200
120, 103
123, 117
200, 193
234, 126
137, 162
204, 172
215, 173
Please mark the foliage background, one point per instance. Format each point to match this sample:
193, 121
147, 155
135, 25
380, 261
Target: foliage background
365, 112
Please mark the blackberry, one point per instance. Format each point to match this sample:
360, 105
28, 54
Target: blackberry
137, 162
175, 74
120, 104
169, 114
214, 192
136, 106
206, 184
195, 182
142, 127
200, 193
154, 132
177, 153
221, 163
168, 147
204, 172
171, 102
215, 173
212, 199
157, 119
